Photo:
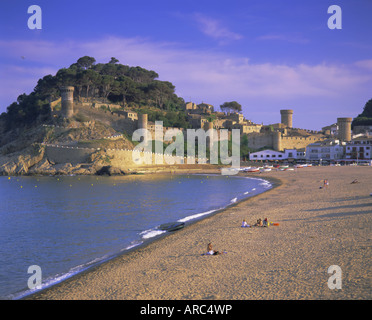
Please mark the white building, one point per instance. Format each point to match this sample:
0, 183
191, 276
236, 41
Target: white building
327, 150
359, 149
366, 130
332, 129
265, 155
271, 155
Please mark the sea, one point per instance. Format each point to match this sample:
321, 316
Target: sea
53, 227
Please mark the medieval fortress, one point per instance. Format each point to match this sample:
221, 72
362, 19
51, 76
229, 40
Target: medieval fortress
277, 137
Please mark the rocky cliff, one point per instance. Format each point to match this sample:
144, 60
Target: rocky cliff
23, 151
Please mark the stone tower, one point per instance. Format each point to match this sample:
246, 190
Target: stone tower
287, 117
142, 124
344, 128
142, 121
277, 140
67, 101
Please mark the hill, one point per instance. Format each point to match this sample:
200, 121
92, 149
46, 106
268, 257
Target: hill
132, 87
30, 125
365, 118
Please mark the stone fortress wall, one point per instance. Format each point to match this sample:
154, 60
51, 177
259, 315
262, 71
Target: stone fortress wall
119, 158
283, 137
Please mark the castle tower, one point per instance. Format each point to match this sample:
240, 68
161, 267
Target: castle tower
277, 140
344, 128
142, 121
287, 117
67, 101
142, 124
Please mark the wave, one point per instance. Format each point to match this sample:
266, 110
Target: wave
132, 245
196, 216
147, 234
53, 280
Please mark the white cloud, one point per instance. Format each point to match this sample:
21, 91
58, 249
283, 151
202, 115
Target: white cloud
364, 64
294, 38
214, 28
209, 76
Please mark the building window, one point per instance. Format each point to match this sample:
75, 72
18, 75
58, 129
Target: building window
280, 156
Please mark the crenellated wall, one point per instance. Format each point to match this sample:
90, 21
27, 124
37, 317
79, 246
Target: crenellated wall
119, 158
277, 141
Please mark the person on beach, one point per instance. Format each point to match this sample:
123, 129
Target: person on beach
210, 250
259, 223
325, 183
245, 224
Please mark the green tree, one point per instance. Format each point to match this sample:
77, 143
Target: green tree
125, 87
367, 110
365, 118
231, 106
65, 77
107, 85
89, 79
47, 86
113, 60
160, 92
141, 75
86, 62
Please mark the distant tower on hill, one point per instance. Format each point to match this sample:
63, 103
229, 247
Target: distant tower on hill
142, 124
287, 117
344, 128
142, 121
67, 101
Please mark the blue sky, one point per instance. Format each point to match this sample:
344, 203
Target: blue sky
266, 54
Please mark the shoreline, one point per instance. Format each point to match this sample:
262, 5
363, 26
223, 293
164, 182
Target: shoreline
285, 262
274, 183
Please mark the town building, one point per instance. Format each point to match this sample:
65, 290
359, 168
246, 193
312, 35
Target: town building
359, 150
367, 130
331, 129
325, 151
272, 155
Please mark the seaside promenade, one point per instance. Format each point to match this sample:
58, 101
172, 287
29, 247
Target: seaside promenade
318, 228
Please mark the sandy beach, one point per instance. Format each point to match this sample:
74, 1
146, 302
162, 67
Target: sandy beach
318, 228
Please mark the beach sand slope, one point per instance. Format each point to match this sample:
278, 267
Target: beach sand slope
318, 228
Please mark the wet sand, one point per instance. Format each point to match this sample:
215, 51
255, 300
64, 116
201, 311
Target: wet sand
318, 227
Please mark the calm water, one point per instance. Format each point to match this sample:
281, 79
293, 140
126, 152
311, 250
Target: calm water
67, 224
